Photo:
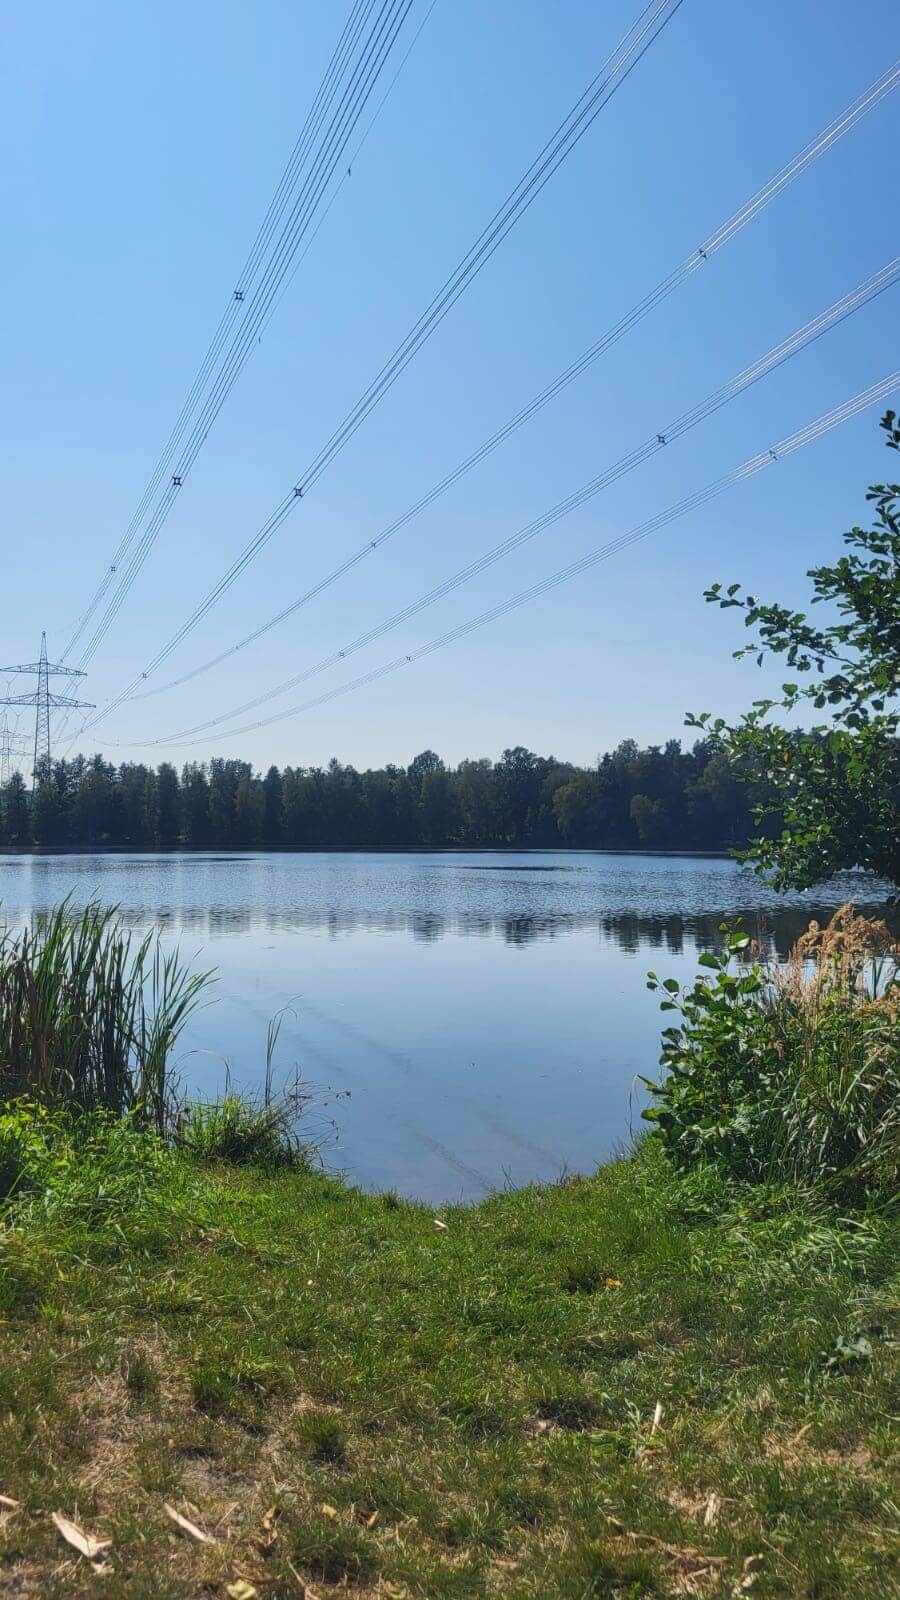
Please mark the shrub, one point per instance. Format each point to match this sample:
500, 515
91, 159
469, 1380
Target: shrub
788, 1073
89, 1179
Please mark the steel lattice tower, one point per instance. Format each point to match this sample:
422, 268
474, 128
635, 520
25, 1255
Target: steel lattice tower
43, 701
9, 747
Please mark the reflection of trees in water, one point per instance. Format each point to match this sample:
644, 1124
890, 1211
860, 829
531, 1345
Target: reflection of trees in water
631, 932
776, 931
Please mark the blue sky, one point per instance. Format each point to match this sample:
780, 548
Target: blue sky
140, 147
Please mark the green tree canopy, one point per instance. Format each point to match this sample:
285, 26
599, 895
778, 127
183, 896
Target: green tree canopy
836, 784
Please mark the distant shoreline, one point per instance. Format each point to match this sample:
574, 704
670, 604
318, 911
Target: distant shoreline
355, 850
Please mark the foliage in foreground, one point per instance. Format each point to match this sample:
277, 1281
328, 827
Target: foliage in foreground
788, 1074
89, 1017
625, 1386
836, 787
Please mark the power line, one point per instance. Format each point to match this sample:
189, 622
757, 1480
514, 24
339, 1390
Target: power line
615, 70
383, 35
658, 440
766, 458
350, 105
232, 313
727, 231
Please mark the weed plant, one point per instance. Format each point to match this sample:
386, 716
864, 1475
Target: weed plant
788, 1073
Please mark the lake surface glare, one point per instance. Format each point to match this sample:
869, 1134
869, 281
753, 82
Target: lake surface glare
466, 1020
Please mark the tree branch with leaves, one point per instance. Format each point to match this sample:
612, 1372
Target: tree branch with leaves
836, 784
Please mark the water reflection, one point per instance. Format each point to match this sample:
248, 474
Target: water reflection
629, 931
469, 1020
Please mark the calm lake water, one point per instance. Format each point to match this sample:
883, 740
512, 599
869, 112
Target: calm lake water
466, 1020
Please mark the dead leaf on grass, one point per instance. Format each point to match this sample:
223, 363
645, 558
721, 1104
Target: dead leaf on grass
328, 1511
657, 1417
713, 1507
441, 1225
371, 1521
84, 1543
185, 1526
8, 1503
270, 1530
242, 1590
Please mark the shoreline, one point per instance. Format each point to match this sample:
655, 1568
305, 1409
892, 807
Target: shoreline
355, 850
545, 1394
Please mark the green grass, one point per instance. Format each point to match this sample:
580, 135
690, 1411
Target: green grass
351, 1398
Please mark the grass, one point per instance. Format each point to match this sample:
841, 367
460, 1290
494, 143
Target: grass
621, 1386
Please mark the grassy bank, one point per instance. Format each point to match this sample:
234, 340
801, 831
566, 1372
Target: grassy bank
627, 1385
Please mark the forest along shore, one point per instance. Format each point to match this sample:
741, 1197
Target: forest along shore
662, 798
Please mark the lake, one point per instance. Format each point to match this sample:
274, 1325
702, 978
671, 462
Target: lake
465, 1020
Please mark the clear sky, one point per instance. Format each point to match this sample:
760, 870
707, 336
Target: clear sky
139, 147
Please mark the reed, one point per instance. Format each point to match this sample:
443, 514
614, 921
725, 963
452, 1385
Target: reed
89, 1015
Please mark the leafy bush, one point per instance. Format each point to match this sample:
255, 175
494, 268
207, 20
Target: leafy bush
788, 1073
89, 1175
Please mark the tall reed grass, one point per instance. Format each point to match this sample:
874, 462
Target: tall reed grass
89, 1015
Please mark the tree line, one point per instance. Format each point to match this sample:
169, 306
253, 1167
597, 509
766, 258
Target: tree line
662, 797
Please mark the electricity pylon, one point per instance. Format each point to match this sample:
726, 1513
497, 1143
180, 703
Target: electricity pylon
43, 701
9, 747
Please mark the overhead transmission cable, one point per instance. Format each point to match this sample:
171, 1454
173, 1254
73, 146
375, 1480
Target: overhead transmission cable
384, 33
657, 441
613, 73
236, 304
716, 241
766, 458
346, 174
350, 105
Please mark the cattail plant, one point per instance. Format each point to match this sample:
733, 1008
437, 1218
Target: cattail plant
89, 1015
